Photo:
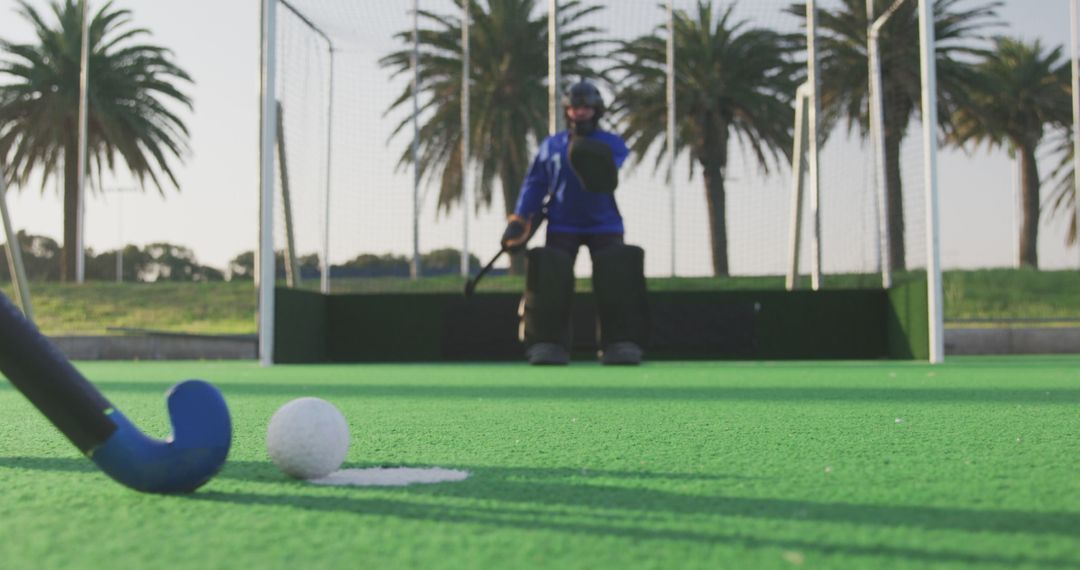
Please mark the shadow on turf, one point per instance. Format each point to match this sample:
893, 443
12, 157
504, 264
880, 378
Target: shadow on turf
615, 503
564, 501
608, 393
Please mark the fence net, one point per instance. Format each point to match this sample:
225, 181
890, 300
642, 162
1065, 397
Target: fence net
345, 180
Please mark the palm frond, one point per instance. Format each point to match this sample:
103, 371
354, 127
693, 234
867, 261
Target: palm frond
508, 87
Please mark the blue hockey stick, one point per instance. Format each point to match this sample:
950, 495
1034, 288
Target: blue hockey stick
470, 285
191, 456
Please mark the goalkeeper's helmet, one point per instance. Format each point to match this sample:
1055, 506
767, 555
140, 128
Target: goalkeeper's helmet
583, 94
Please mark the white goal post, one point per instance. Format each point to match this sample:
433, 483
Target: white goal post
838, 237
805, 158
14, 255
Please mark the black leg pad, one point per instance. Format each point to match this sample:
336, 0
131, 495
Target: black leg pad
621, 301
549, 295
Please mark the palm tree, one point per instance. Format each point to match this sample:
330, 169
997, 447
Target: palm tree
1022, 89
733, 83
131, 83
843, 44
509, 68
1062, 200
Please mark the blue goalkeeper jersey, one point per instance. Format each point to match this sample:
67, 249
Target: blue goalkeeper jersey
572, 208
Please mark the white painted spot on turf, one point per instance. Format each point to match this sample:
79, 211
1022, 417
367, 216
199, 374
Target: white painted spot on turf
390, 477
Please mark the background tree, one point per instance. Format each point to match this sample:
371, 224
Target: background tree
102, 266
151, 263
732, 82
242, 267
1021, 90
170, 262
373, 265
131, 86
447, 261
40, 254
509, 106
845, 77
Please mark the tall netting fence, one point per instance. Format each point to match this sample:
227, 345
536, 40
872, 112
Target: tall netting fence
345, 189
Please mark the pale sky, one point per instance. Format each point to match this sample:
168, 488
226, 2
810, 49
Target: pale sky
215, 213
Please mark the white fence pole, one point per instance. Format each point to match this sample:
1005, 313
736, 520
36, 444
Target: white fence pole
671, 141
15, 260
466, 131
554, 69
930, 120
813, 112
877, 133
324, 270
84, 123
414, 267
798, 182
1074, 20
265, 269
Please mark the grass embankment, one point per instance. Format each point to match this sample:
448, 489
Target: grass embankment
1012, 294
95, 307
229, 308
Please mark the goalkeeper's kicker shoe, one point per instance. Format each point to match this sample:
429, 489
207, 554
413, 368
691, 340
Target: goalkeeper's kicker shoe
626, 353
547, 353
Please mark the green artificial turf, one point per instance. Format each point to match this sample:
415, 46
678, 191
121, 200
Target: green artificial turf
972, 464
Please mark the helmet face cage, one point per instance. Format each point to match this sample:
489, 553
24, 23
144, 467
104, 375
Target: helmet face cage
584, 94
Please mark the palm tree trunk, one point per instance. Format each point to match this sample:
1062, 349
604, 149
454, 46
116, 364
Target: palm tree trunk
511, 186
71, 206
1029, 197
895, 198
716, 198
